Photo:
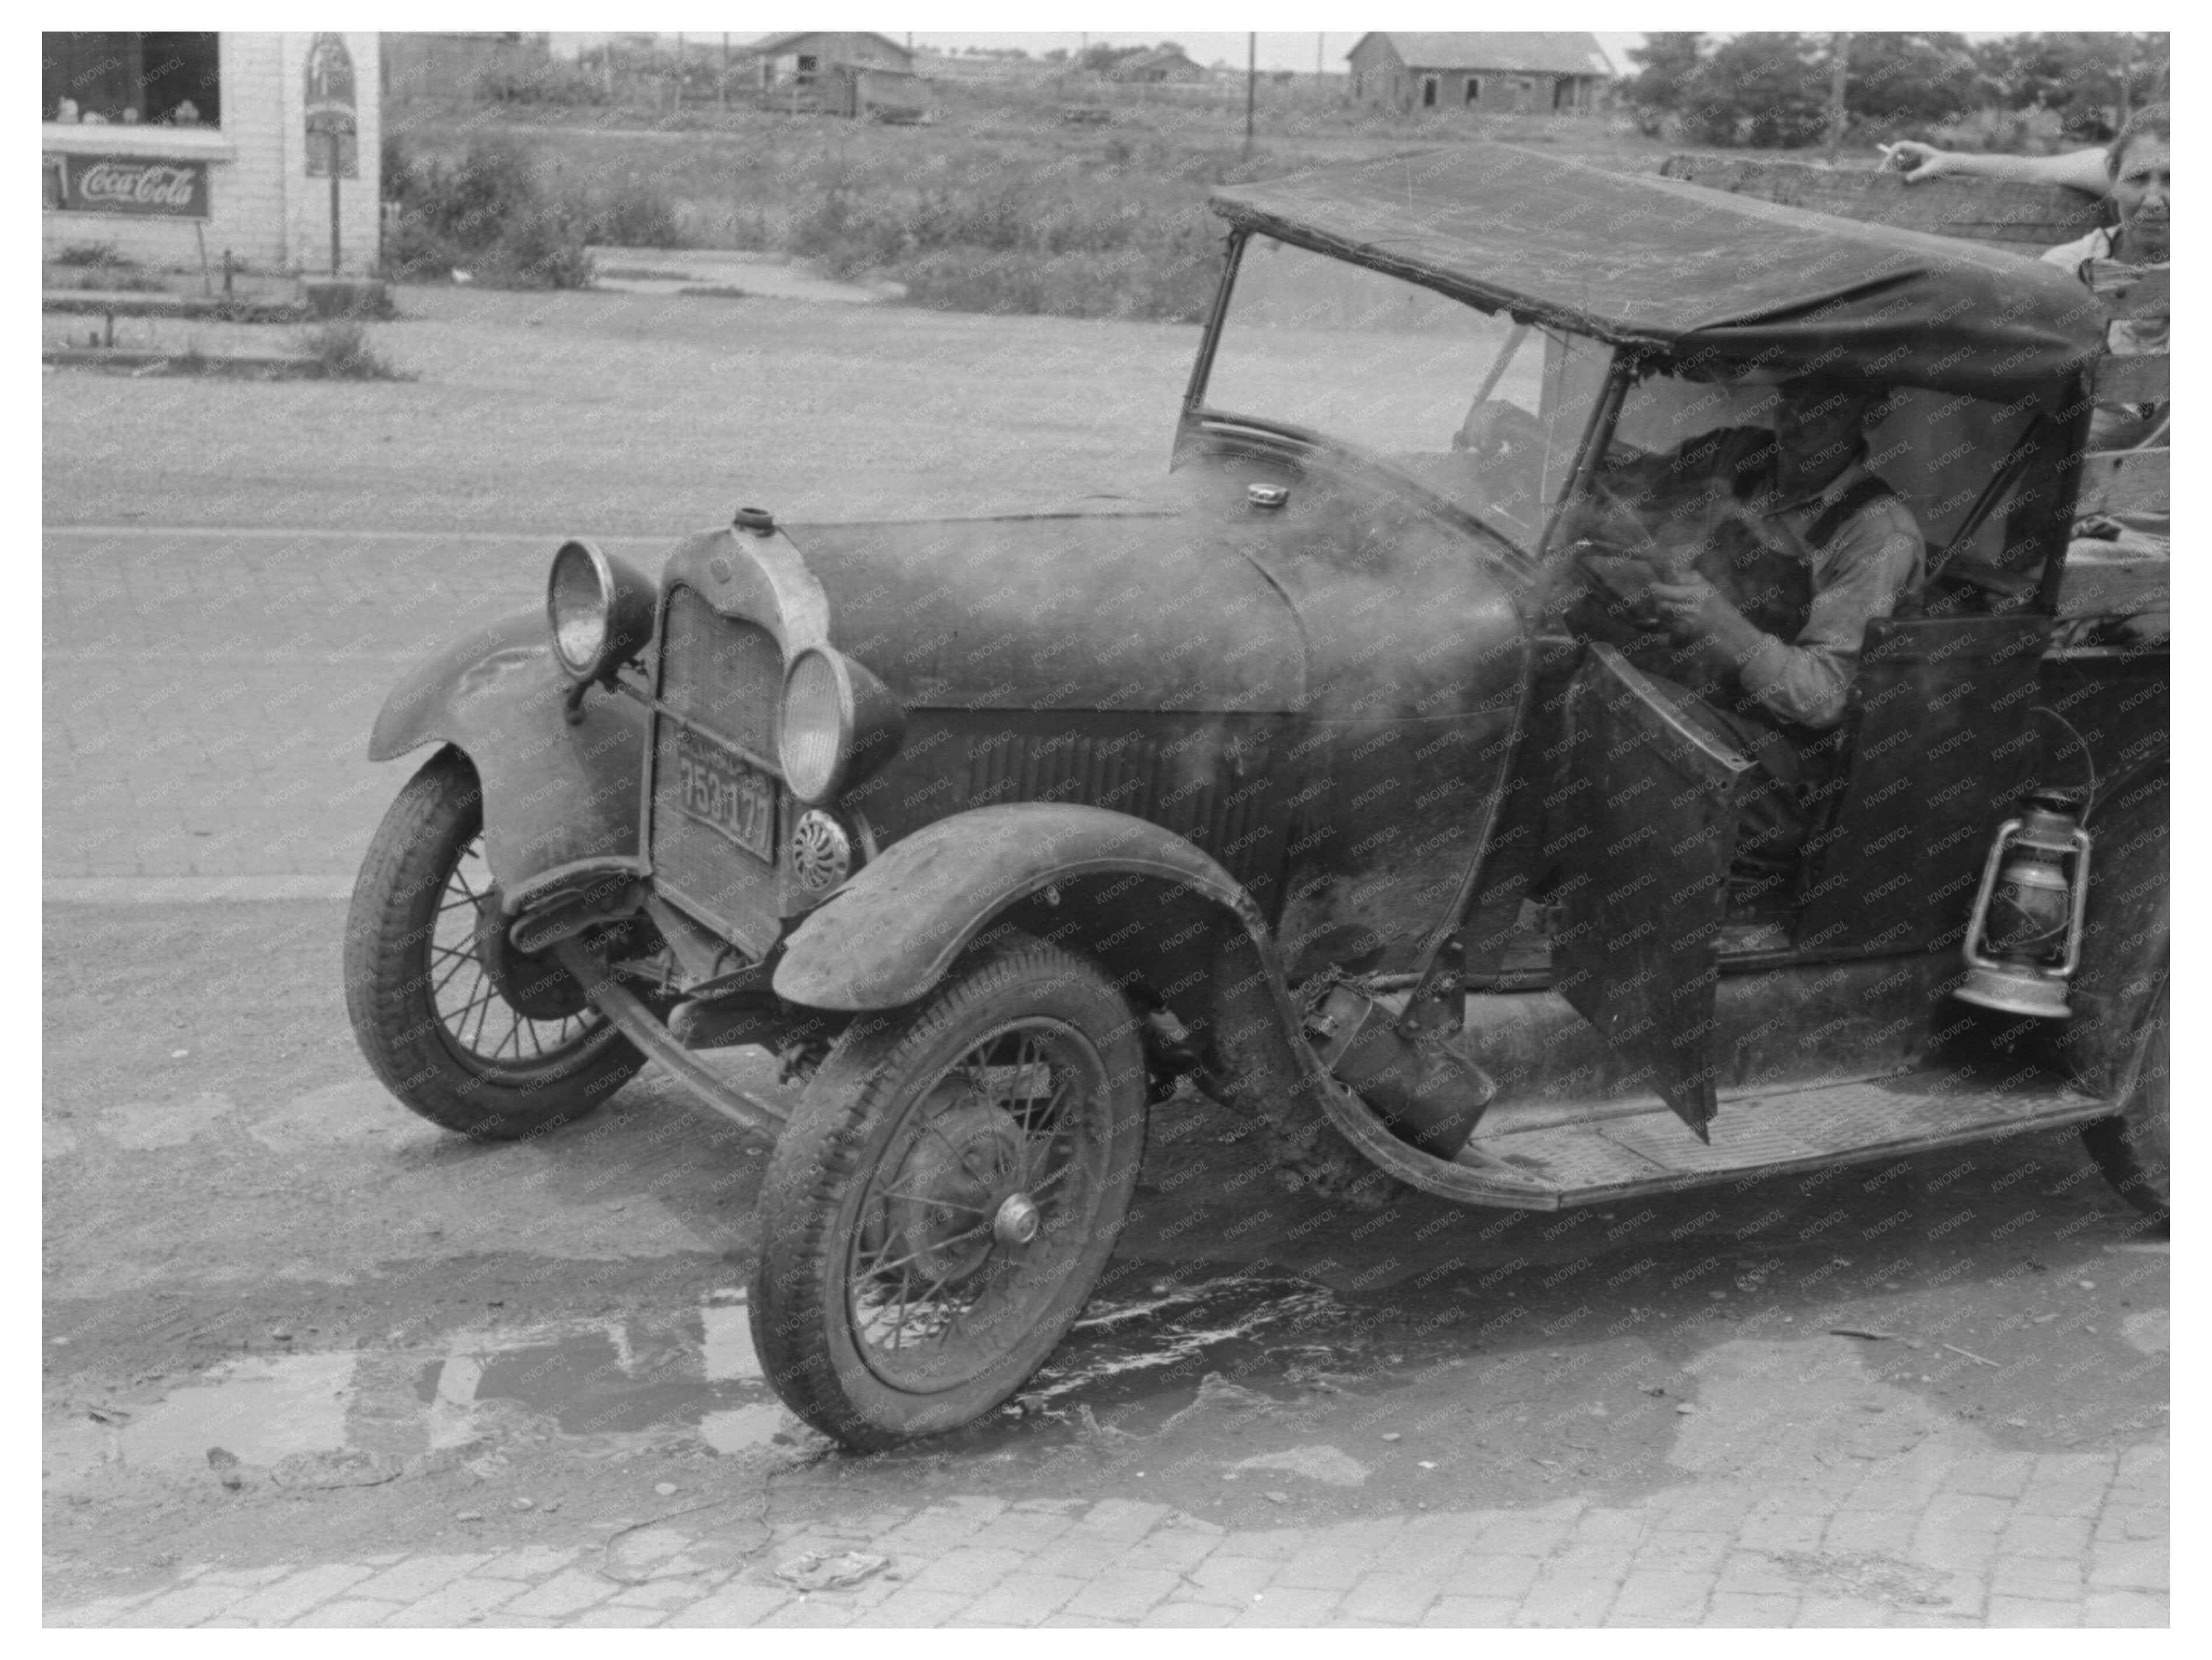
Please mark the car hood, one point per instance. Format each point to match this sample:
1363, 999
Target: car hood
1181, 596
1101, 608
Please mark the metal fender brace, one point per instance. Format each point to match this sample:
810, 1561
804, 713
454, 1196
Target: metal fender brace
636, 1022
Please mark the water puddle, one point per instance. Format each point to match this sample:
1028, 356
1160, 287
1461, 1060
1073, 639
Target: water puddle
261, 1411
622, 1378
1170, 1356
1145, 1363
691, 1376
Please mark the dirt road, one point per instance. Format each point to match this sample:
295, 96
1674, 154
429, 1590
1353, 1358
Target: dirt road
307, 1358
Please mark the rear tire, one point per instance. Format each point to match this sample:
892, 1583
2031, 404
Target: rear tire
428, 1012
941, 1203
2132, 1147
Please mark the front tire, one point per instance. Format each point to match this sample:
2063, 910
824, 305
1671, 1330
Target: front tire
941, 1203
436, 1021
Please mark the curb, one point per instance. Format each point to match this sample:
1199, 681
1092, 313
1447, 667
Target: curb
190, 890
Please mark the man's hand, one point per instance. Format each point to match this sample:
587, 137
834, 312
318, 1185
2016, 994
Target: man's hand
1693, 608
1917, 160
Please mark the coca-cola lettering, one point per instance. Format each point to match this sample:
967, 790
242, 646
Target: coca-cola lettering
116, 181
123, 184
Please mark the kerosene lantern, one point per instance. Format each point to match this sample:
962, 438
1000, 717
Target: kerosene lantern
2024, 941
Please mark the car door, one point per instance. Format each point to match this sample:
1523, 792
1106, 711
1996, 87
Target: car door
1644, 825
1943, 737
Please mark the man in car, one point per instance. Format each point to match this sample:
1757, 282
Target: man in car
1763, 555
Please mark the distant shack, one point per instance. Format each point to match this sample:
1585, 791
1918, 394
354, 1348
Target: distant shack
1561, 70
831, 72
1154, 66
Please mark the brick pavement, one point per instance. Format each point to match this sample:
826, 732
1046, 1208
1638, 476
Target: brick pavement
1930, 1537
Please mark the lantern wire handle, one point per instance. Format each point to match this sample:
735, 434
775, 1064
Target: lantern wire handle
2089, 765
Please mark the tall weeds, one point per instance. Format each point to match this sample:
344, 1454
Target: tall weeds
492, 213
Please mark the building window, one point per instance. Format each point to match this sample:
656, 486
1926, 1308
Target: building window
128, 79
1474, 88
807, 65
1428, 92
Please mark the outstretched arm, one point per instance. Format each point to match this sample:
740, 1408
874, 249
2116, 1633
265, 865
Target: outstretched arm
2081, 170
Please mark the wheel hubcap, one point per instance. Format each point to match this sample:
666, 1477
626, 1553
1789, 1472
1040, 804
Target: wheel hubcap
1017, 1220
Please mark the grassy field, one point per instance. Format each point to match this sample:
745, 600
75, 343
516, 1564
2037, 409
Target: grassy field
999, 205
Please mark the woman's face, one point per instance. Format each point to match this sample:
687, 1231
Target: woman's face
2140, 191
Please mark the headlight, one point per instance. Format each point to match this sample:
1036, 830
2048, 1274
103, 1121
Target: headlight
601, 610
840, 724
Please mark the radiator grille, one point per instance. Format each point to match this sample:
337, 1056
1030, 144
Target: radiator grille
725, 676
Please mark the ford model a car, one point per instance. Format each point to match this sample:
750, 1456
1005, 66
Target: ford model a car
1327, 774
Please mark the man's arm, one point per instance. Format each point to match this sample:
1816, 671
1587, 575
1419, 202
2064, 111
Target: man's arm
1877, 559
2081, 170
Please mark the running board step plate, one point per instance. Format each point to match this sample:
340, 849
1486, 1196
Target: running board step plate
1774, 1132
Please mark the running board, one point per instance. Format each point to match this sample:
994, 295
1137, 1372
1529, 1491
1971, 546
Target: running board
1802, 1128
1756, 1133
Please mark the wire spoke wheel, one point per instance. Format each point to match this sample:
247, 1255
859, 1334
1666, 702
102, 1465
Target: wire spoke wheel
461, 1029
941, 1203
970, 1218
473, 1013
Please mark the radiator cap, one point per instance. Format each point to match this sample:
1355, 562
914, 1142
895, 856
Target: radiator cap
759, 520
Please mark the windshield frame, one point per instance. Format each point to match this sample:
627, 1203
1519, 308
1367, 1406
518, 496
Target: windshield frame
1197, 411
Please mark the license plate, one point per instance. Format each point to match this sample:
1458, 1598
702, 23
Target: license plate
718, 789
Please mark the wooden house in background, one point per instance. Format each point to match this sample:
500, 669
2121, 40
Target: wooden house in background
1155, 66
835, 72
1563, 70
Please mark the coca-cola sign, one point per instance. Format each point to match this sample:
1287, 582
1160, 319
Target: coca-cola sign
140, 184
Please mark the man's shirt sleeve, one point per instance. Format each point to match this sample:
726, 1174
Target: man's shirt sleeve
1873, 563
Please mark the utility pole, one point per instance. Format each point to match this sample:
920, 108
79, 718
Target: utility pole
2127, 64
1251, 83
1839, 67
1318, 40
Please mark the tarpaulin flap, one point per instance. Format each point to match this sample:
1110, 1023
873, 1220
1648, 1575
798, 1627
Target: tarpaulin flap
1697, 275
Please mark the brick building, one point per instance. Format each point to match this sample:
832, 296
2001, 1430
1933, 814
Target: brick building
170, 149
1553, 69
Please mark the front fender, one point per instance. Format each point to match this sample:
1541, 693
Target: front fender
889, 934
553, 793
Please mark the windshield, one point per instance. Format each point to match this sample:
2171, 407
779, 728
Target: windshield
1486, 412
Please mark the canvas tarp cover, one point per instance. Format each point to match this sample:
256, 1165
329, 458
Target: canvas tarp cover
1698, 276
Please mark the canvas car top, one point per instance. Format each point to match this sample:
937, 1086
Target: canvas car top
1692, 275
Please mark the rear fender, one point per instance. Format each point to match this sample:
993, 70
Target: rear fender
553, 794
2124, 945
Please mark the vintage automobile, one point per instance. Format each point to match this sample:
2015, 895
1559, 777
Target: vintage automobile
1290, 778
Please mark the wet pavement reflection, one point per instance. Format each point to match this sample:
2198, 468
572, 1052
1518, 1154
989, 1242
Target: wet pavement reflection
1142, 1363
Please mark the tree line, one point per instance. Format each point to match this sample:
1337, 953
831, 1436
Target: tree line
1773, 89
